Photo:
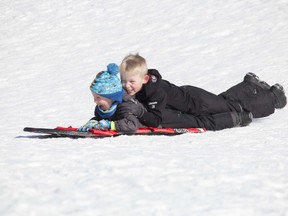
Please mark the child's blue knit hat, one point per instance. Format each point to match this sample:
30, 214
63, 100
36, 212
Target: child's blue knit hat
108, 85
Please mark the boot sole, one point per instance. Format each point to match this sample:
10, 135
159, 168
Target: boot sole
279, 92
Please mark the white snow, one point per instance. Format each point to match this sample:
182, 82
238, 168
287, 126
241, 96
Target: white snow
51, 50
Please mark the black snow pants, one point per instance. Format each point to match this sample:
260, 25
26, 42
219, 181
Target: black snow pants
251, 97
212, 112
215, 112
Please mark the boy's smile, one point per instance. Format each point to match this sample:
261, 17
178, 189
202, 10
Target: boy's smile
133, 83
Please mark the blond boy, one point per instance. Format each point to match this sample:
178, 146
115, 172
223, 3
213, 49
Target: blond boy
170, 105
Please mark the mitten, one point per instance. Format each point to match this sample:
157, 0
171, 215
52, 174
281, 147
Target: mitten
103, 125
89, 125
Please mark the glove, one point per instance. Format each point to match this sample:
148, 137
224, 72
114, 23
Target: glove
89, 125
103, 125
94, 124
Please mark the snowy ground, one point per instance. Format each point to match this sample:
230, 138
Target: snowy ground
51, 50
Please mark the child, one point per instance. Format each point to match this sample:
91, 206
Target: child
117, 110
110, 111
157, 95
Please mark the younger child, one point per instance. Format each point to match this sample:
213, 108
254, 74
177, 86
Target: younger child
158, 95
111, 102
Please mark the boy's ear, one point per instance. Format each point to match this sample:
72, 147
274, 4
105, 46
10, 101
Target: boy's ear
146, 79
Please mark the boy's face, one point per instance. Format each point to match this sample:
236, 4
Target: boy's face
102, 102
133, 83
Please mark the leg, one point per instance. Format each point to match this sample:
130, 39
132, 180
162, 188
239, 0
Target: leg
176, 119
239, 91
257, 96
251, 85
209, 103
261, 104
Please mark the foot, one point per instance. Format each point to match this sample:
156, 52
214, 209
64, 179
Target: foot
254, 79
279, 93
241, 119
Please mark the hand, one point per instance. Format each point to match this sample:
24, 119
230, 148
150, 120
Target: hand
103, 125
88, 126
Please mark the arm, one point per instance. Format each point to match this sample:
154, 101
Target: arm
129, 124
155, 107
125, 119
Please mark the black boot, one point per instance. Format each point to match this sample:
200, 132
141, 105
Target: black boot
241, 119
254, 79
279, 93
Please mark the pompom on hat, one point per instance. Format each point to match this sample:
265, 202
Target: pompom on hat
107, 84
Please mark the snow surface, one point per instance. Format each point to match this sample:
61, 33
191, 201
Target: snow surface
51, 50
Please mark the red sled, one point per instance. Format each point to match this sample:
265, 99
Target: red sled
74, 133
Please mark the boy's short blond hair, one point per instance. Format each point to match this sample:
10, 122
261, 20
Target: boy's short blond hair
134, 64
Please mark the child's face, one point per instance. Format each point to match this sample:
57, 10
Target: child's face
102, 102
133, 83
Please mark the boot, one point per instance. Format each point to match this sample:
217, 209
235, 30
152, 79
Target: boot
279, 93
254, 79
241, 119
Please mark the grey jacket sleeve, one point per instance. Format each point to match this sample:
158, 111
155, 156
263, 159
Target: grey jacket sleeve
129, 124
126, 119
